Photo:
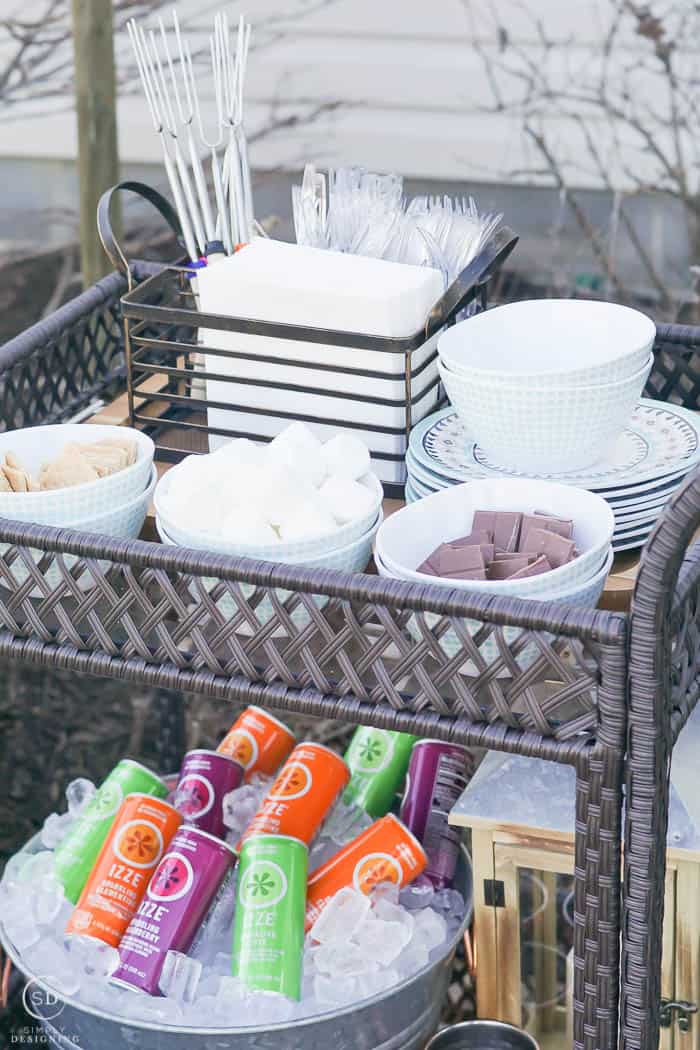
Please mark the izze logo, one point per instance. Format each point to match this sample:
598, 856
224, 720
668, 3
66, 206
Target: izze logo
195, 796
263, 885
173, 878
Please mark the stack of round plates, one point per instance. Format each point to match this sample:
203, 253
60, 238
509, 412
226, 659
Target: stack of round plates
657, 449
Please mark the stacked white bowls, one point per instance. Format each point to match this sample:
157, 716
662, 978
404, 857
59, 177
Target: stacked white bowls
410, 535
547, 385
115, 505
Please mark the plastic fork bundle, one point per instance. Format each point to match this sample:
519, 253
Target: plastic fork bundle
367, 214
173, 97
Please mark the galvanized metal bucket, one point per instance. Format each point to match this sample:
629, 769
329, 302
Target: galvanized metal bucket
482, 1035
400, 1018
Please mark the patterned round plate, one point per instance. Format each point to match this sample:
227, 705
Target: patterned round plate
661, 443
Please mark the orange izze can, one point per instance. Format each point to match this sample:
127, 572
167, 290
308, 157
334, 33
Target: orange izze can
259, 742
306, 787
140, 835
385, 852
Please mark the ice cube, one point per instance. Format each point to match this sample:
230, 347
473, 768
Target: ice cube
179, 977
264, 1008
341, 960
344, 823
50, 960
449, 903
412, 959
37, 866
388, 911
330, 991
240, 806
91, 957
203, 1012
230, 989
79, 795
430, 929
341, 917
381, 942
22, 930
55, 829
208, 986
346, 456
322, 849
385, 891
47, 900
418, 894
378, 981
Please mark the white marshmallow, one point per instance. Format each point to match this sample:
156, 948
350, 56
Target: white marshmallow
297, 449
280, 493
245, 525
346, 456
346, 500
239, 451
307, 521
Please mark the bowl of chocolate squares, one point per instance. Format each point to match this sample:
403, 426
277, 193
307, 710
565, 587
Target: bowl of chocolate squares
518, 537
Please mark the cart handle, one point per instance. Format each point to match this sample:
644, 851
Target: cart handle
108, 237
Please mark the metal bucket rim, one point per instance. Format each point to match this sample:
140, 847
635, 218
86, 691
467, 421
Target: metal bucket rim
279, 1026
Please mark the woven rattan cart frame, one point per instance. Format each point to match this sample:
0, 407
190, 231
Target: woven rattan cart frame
618, 687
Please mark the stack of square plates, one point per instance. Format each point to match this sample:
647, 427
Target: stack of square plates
658, 448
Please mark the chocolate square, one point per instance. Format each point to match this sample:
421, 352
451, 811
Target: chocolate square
454, 560
561, 526
503, 570
557, 549
536, 568
479, 537
506, 532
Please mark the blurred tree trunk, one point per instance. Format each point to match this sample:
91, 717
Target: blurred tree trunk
95, 98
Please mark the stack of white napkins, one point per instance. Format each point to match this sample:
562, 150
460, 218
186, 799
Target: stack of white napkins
292, 284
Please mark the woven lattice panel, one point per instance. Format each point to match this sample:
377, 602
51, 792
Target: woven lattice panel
65, 372
675, 376
377, 652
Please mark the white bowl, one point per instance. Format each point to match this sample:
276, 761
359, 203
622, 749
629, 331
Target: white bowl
34, 446
544, 430
550, 342
407, 537
281, 552
585, 594
354, 557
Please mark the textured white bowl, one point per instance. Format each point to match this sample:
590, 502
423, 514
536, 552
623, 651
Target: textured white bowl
407, 537
542, 430
585, 594
550, 342
34, 446
299, 550
352, 558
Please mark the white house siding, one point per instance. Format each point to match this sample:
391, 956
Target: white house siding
408, 80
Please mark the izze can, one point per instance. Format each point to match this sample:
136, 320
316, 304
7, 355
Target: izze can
205, 777
385, 852
260, 742
378, 760
139, 837
268, 928
78, 852
437, 775
178, 897
306, 787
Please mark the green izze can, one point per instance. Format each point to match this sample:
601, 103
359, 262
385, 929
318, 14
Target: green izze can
268, 929
378, 760
76, 855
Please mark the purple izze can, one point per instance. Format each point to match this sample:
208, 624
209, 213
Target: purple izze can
180, 893
437, 775
205, 777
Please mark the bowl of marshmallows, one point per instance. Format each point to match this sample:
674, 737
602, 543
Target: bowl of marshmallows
295, 501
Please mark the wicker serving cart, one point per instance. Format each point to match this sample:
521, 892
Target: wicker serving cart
604, 692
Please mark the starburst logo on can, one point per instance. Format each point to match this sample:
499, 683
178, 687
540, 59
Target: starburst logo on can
294, 781
139, 844
373, 750
243, 747
195, 796
263, 885
172, 879
376, 868
107, 801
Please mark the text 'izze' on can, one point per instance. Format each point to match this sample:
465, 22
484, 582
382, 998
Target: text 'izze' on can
205, 778
437, 775
304, 791
139, 836
178, 897
268, 928
259, 741
76, 855
378, 760
385, 852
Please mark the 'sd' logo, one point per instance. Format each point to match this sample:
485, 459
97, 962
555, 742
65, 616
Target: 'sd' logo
41, 1003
